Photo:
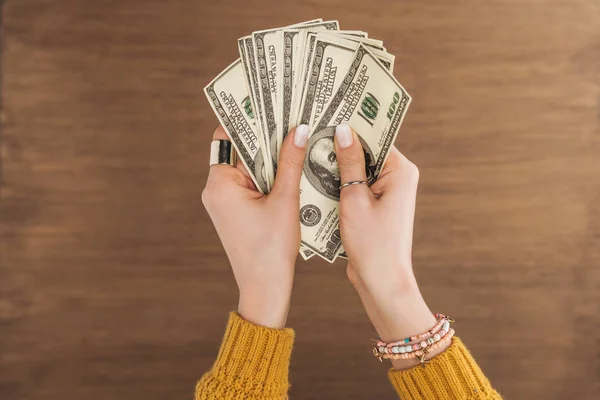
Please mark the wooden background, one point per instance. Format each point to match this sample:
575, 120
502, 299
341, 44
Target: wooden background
113, 281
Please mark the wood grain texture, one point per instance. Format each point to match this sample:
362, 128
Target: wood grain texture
113, 283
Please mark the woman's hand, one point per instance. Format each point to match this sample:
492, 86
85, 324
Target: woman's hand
260, 233
377, 230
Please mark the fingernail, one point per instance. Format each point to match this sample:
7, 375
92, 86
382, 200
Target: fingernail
301, 136
343, 135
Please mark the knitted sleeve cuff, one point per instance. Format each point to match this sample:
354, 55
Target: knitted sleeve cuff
453, 374
253, 362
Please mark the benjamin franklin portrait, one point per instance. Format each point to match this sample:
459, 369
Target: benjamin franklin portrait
321, 167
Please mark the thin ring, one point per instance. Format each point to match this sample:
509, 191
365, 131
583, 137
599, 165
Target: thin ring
352, 183
221, 152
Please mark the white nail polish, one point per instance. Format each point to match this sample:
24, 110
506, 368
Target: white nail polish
343, 135
301, 136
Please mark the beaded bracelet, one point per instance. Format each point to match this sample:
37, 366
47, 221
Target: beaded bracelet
442, 323
441, 319
383, 350
419, 345
421, 354
401, 349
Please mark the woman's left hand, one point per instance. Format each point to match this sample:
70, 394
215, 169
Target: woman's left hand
260, 233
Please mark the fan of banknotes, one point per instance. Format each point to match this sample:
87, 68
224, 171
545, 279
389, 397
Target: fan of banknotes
316, 74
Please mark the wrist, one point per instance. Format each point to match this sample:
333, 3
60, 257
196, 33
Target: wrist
403, 315
264, 308
394, 305
401, 310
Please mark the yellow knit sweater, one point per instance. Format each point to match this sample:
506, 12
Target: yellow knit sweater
253, 363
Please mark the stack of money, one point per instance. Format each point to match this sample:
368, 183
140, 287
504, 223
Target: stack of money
316, 74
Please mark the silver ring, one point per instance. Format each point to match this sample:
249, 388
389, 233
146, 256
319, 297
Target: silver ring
221, 152
352, 183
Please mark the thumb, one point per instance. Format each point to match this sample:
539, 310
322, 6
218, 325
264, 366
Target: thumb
291, 162
351, 160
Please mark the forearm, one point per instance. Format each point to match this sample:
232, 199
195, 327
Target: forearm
404, 316
448, 372
253, 363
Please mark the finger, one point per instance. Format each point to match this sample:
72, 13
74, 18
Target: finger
351, 160
394, 160
249, 182
391, 166
240, 165
397, 162
398, 175
224, 171
291, 162
219, 134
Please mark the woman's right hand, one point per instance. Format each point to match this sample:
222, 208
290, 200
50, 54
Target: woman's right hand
377, 229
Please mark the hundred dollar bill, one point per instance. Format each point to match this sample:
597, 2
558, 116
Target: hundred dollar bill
266, 44
376, 47
301, 42
387, 61
299, 66
298, 41
372, 102
306, 253
329, 63
247, 54
253, 73
363, 39
368, 42
278, 81
268, 54
289, 59
361, 34
245, 47
307, 42
327, 54
312, 21
229, 98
